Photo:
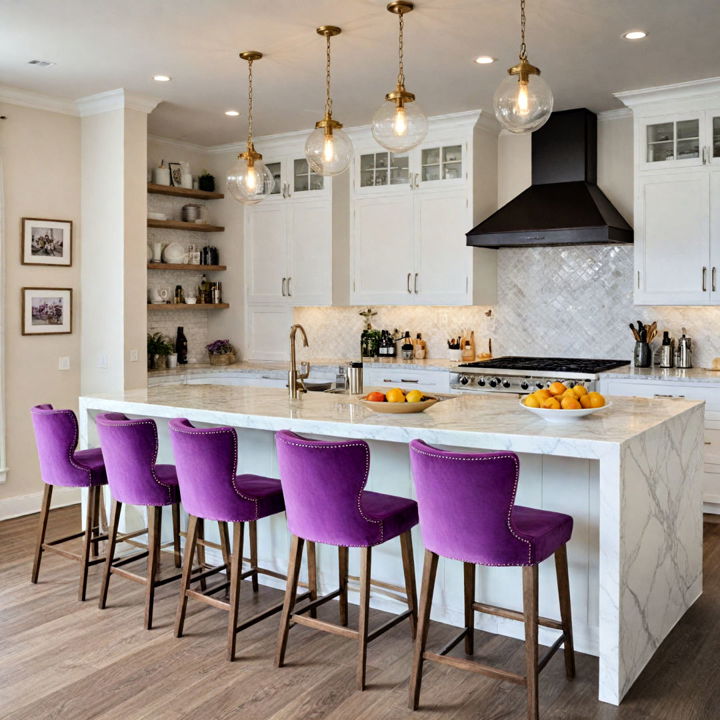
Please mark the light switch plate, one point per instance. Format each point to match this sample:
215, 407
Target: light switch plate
63, 362
102, 361
133, 356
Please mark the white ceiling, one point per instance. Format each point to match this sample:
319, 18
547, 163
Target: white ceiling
100, 45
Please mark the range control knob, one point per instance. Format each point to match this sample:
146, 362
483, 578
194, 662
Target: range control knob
494, 382
481, 382
540, 384
524, 385
506, 383
464, 379
571, 383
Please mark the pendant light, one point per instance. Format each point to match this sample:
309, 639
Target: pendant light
328, 149
523, 101
249, 180
399, 125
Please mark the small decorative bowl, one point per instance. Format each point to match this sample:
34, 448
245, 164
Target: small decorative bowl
174, 253
398, 408
558, 416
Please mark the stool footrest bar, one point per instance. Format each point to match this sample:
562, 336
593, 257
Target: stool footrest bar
514, 615
447, 648
208, 600
553, 649
472, 666
260, 616
389, 624
315, 603
325, 626
64, 539
129, 559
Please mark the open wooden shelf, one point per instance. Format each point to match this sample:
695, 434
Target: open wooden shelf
182, 266
186, 306
183, 192
180, 225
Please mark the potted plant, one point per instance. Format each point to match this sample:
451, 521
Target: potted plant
158, 348
221, 352
206, 181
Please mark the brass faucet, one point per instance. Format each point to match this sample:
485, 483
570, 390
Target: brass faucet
295, 378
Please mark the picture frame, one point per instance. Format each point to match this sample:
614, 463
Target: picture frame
175, 174
46, 311
46, 242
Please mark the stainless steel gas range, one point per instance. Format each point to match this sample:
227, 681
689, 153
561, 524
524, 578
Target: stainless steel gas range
521, 375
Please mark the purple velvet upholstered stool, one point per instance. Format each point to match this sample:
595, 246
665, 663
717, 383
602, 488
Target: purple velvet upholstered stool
56, 436
206, 461
325, 500
467, 513
130, 450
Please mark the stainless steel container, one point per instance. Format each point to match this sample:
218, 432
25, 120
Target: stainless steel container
355, 378
683, 356
191, 212
667, 355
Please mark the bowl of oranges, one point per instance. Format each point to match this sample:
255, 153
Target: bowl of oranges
398, 401
559, 403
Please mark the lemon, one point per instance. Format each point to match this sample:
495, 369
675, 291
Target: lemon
557, 388
395, 395
596, 400
414, 396
551, 404
580, 390
531, 401
570, 402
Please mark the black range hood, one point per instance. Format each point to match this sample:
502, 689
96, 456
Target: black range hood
564, 205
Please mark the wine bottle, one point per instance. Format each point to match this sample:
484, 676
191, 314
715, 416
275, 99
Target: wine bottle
181, 347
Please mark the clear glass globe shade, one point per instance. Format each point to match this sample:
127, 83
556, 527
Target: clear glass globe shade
328, 154
250, 185
399, 128
523, 107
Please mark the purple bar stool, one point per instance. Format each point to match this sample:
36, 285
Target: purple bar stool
325, 500
56, 436
206, 461
130, 449
467, 513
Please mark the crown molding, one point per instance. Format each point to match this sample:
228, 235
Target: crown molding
614, 114
676, 91
179, 143
111, 100
37, 101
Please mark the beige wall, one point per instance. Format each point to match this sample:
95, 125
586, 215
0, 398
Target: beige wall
41, 157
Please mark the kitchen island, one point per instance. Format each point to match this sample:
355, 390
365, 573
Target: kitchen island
630, 476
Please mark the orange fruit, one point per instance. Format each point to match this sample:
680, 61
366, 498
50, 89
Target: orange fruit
557, 388
580, 390
395, 395
376, 397
596, 400
531, 401
542, 394
570, 402
551, 404
585, 400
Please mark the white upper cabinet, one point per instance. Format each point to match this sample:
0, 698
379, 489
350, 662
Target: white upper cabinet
677, 193
410, 213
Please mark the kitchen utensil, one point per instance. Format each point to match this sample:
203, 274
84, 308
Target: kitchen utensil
559, 416
399, 408
635, 333
641, 355
355, 378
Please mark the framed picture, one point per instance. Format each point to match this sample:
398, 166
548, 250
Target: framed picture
46, 242
175, 174
46, 311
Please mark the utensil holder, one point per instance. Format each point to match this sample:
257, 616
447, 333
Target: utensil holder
641, 356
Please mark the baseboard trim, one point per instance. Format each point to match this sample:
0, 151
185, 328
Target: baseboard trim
20, 505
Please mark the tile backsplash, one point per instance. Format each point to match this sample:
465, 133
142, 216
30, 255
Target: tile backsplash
572, 302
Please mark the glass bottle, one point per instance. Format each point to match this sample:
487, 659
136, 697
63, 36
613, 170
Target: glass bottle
181, 347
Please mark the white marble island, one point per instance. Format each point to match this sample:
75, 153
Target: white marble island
630, 477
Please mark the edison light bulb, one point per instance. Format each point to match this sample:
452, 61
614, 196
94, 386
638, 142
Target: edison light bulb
251, 179
523, 103
328, 149
400, 126
328, 153
523, 106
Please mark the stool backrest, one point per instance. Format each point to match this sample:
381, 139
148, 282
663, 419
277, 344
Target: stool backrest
206, 463
56, 437
130, 450
322, 483
465, 503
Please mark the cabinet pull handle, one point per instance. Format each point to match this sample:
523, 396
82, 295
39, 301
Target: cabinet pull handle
704, 279
408, 283
658, 395
638, 274
415, 283
707, 442
289, 291
402, 380
704, 155
714, 279
283, 286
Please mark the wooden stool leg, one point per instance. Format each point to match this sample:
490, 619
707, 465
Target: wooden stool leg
426, 595
530, 610
563, 583
190, 540
469, 582
225, 548
87, 541
343, 577
408, 561
312, 575
176, 534
201, 551
296, 549
154, 526
235, 582
363, 615
252, 533
42, 528
94, 549
110, 553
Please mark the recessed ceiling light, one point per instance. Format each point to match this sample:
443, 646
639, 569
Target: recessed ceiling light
484, 60
634, 35
161, 78
41, 63
232, 113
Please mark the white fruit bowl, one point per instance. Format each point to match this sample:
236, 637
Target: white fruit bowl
563, 415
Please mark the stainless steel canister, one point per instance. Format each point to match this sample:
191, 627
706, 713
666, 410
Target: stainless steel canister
683, 356
355, 378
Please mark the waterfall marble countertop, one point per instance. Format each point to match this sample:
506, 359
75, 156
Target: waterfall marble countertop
658, 374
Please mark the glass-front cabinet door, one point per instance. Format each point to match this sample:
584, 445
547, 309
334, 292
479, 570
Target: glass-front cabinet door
304, 180
675, 141
380, 169
715, 137
440, 164
276, 169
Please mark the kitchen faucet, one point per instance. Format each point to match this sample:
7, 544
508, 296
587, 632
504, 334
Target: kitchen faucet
295, 379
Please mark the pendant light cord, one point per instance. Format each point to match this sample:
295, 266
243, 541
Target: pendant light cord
523, 47
401, 49
250, 103
328, 99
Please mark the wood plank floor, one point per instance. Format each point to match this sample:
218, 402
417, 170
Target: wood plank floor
65, 660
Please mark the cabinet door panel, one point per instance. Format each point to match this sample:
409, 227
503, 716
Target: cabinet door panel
310, 242
672, 244
383, 251
715, 236
267, 252
267, 332
443, 259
